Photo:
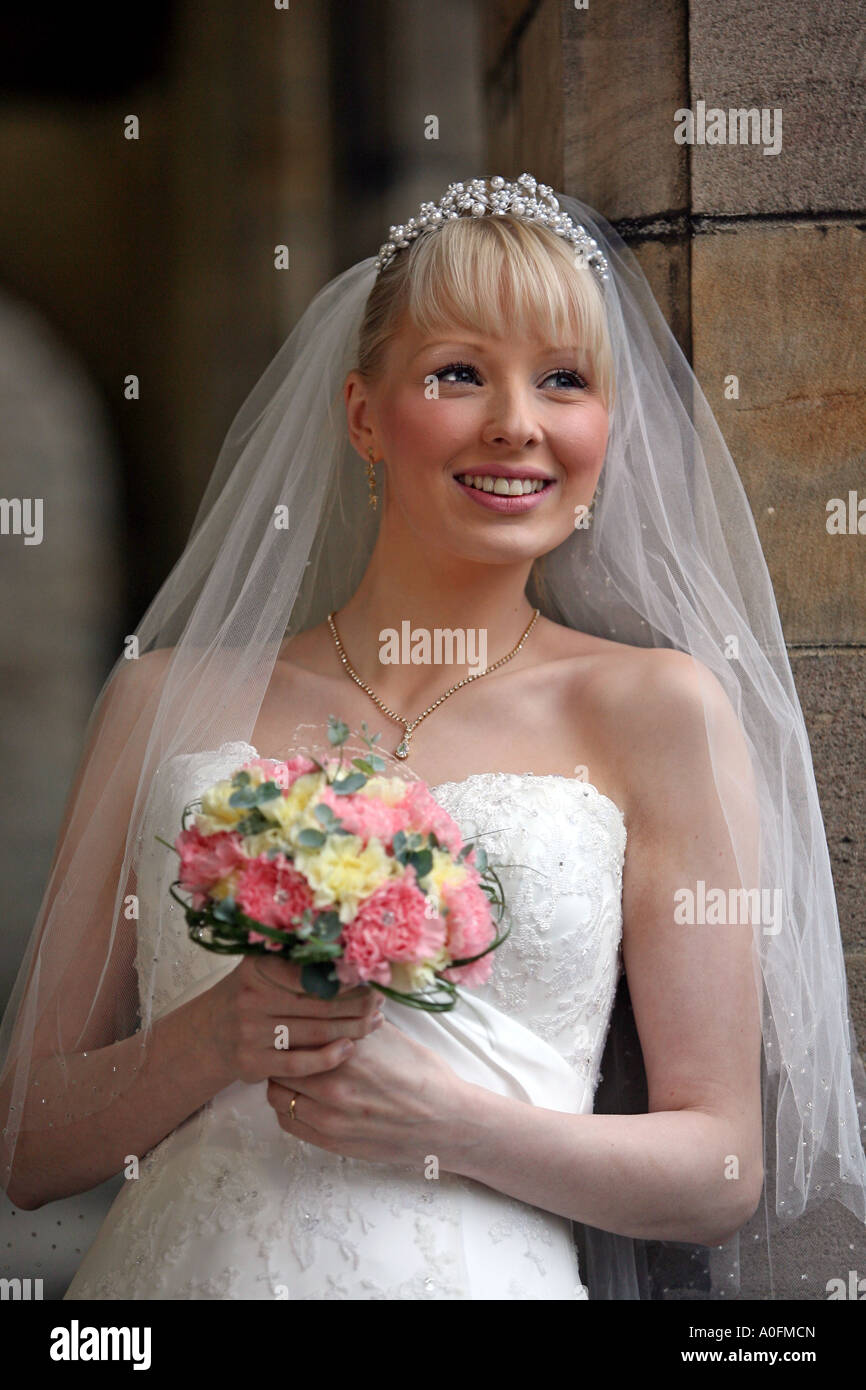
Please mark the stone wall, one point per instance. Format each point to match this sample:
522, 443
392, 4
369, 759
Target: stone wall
759, 264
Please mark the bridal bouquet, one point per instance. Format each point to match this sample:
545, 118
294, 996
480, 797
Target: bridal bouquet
357, 877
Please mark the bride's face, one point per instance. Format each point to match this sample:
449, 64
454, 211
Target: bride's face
500, 411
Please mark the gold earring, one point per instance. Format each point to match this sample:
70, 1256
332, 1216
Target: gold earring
371, 479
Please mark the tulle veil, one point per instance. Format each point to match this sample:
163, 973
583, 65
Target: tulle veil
672, 558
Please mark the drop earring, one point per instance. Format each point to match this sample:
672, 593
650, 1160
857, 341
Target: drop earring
371, 479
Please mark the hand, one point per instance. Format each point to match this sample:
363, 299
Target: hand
392, 1100
248, 1008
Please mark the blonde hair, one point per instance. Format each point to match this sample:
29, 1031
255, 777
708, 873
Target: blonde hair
496, 275
499, 276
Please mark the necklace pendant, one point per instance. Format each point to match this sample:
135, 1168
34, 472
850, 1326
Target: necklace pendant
402, 749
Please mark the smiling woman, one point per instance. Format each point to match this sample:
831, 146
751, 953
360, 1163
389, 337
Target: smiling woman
610, 755
486, 344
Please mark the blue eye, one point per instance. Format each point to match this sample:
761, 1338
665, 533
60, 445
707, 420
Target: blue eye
572, 379
456, 367
463, 373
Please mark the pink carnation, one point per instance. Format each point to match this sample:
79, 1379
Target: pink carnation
470, 930
392, 924
425, 814
283, 773
206, 858
366, 816
272, 892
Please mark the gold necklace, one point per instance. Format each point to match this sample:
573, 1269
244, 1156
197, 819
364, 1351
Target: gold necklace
402, 749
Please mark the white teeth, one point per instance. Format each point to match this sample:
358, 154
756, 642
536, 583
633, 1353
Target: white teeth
502, 487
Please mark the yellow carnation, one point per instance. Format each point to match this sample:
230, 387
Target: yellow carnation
444, 872
265, 840
344, 871
289, 809
216, 813
391, 790
411, 979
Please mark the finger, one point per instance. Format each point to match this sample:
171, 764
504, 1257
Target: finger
308, 1061
291, 1033
361, 1005
307, 1132
310, 1127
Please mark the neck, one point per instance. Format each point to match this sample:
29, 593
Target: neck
408, 592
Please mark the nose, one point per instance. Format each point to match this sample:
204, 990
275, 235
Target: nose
513, 420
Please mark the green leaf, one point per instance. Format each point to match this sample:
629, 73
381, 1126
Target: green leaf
338, 732
254, 796
246, 796
421, 861
225, 910
352, 783
311, 839
320, 980
328, 926
253, 823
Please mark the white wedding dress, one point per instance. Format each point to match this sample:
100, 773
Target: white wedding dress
229, 1206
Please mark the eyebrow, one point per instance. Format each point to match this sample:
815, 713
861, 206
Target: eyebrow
472, 345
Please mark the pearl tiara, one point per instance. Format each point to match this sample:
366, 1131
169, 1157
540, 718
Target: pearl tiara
495, 197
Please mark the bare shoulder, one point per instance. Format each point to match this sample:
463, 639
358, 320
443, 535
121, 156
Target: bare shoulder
655, 714
136, 679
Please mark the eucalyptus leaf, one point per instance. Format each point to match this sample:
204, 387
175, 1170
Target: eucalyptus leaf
352, 783
311, 839
317, 980
328, 927
225, 910
421, 861
245, 796
338, 732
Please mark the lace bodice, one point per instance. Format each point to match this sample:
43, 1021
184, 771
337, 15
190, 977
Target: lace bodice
231, 1206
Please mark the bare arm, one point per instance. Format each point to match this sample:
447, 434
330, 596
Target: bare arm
92, 1095
691, 1168
225, 1034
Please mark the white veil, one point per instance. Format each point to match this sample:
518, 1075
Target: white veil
282, 536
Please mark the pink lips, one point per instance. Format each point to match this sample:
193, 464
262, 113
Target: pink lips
496, 503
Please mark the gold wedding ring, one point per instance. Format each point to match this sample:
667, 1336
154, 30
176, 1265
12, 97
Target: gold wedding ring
292, 1108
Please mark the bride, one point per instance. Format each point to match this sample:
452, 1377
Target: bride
539, 472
